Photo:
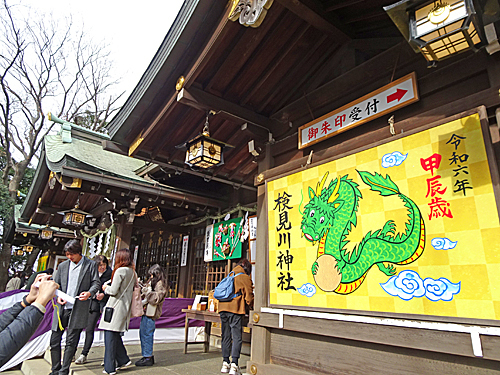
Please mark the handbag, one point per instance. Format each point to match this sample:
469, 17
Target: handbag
108, 314
136, 308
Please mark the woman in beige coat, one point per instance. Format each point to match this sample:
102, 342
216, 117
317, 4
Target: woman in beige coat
116, 315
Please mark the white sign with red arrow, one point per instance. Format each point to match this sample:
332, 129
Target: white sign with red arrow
387, 99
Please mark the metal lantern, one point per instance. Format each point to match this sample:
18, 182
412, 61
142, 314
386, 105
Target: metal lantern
437, 29
74, 217
441, 29
203, 151
47, 233
27, 248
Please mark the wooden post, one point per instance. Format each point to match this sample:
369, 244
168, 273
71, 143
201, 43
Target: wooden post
123, 233
261, 337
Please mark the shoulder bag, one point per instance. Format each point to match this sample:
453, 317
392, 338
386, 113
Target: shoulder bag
136, 308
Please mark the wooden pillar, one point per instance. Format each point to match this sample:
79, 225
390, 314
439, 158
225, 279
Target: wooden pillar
123, 233
261, 336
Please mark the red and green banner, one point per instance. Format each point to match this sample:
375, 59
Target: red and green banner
227, 244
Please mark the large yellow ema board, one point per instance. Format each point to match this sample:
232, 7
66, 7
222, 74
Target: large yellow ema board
410, 226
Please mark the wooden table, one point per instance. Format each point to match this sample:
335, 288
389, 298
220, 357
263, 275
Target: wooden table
208, 317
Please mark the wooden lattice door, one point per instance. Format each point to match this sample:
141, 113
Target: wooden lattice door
164, 249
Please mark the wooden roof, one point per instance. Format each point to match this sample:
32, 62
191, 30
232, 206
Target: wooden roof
269, 77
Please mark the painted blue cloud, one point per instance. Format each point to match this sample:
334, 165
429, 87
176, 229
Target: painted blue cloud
408, 284
440, 289
444, 243
393, 159
307, 290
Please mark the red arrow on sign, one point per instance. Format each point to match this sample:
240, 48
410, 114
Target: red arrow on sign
397, 95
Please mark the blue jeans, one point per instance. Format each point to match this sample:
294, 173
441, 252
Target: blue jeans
115, 354
147, 333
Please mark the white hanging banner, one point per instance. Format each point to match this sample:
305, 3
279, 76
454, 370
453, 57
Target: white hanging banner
136, 253
184, 254
209, 243
252, 223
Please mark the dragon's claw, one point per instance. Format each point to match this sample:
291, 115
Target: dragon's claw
389, 270
340, 264
315, 268
389, 229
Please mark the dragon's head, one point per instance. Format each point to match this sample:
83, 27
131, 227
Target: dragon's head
319, 213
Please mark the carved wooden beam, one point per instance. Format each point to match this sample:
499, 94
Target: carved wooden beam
111, 146
47, 210
313, 13
99, 210
161, 192
202, 100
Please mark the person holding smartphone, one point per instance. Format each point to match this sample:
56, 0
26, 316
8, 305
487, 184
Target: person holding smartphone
153, 295
19, 323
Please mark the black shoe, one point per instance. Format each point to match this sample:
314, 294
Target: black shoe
146, 361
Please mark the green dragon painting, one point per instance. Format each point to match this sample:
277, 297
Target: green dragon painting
329, 217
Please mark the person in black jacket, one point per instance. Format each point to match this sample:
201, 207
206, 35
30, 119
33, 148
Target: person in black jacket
20, 322
78, 277
96, 306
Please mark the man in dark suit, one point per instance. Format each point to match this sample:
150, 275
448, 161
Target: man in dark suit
78, 278
96, 306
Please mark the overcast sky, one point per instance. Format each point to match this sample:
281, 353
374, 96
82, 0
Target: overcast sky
133, 30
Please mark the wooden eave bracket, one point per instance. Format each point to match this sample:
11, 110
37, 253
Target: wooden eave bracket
204, 101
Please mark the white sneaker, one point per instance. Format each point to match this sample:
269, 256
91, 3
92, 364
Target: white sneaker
81, 360
123, 367
235, 369
225, 367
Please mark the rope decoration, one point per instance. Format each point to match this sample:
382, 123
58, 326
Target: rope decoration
222, 215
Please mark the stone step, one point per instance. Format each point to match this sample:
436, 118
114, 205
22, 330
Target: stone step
41, 366
37, 366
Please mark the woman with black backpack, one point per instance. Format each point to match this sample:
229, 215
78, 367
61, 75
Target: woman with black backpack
231, 316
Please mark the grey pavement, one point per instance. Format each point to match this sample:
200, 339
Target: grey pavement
169, 359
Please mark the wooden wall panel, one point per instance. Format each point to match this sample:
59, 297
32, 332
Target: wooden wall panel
422, 339
324, 355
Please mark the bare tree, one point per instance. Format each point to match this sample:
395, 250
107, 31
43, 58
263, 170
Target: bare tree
45, 65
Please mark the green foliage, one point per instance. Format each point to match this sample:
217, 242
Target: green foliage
25, 184
17, 262
6, 203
